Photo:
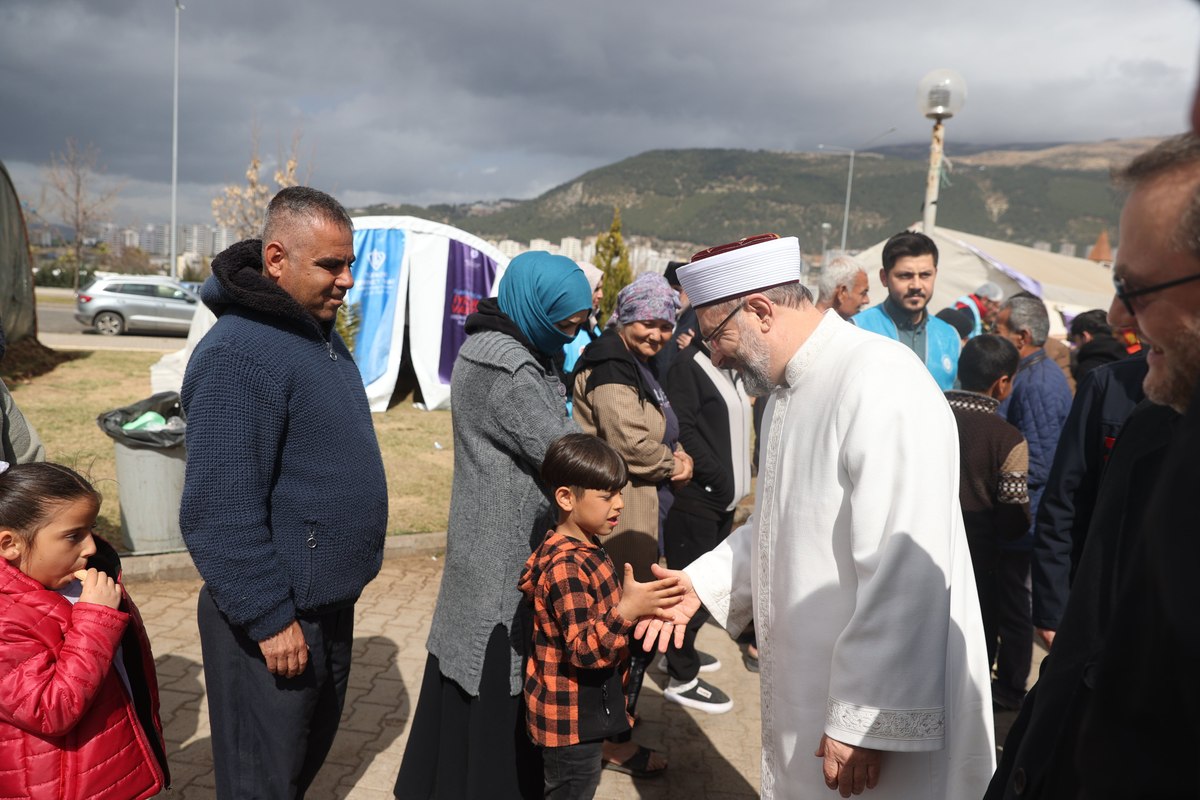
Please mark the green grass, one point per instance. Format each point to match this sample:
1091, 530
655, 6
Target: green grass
63, 405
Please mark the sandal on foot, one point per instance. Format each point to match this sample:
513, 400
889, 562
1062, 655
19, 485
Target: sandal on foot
636, 765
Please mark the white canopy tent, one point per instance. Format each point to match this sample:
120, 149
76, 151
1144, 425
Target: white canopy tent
414, 279
1067, 285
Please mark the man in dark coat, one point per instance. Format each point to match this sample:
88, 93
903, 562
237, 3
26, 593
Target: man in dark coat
1037, 407
1106, 398
1146, 695
1104, 720
284, 506
714, 428
1094, 343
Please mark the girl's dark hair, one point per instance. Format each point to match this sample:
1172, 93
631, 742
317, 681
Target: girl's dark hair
582, 461
27, 492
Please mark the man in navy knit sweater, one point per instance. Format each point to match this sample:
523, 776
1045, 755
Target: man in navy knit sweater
284, 505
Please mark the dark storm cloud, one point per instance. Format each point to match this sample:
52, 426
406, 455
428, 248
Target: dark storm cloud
472, 99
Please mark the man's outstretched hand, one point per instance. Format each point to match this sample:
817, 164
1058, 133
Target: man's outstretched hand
659, 632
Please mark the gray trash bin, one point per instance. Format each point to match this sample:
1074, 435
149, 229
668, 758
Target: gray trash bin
150, 468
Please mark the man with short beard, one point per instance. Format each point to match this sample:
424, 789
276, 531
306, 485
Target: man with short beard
909, 271
1137, 736
855, 564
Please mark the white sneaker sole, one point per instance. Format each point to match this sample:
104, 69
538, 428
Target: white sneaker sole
699, 705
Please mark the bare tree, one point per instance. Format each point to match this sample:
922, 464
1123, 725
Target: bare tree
72, 177
243, 208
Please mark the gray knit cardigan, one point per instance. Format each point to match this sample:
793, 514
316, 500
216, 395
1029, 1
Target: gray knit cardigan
506, 411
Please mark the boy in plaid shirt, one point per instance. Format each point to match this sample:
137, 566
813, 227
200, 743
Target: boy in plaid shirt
583, 620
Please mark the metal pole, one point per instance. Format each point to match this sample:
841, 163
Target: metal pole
933, 178
846, 213
175, 148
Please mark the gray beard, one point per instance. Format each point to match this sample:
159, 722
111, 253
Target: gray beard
752, 362
757, 383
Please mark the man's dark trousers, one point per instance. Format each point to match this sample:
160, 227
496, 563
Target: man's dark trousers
1014, 621
686, 537
270, 735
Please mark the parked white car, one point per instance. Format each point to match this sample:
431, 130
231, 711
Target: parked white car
119, 303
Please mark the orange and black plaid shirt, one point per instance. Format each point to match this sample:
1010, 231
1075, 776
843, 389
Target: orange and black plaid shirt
576, 627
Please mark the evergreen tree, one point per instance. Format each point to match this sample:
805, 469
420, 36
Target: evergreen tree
612, 258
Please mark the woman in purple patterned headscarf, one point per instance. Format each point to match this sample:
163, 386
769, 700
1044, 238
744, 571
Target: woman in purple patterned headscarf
618, 398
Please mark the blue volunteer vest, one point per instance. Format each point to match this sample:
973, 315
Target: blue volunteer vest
941, 342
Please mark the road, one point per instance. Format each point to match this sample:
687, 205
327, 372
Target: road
58, 328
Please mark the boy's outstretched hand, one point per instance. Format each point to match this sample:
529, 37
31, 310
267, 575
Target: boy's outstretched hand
651, 599
657, 631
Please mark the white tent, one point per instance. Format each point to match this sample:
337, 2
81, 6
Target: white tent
1066, 284
413, 279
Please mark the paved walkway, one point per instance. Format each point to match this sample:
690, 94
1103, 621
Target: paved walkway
711, 756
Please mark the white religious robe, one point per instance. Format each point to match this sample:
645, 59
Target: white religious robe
856, 569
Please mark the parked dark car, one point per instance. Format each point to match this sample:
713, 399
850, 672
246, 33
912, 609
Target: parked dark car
119, 303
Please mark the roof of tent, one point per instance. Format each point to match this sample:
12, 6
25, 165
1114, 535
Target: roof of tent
1067, 284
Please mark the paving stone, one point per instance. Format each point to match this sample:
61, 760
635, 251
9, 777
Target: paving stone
391, 625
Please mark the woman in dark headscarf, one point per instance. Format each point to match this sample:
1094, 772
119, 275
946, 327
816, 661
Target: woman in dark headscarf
468, 738
617, 397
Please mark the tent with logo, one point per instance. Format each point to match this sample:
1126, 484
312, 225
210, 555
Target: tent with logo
1067, 285
415, 283
17, 309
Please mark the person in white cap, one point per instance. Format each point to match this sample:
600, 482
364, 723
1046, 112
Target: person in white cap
855, 563
982, 305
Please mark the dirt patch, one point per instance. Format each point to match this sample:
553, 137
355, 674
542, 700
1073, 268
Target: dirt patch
29, 358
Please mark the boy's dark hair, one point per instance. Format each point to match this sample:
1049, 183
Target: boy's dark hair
1094, 322
28, 492
984, 360
908, 243
582, 461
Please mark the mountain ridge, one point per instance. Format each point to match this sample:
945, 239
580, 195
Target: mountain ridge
1047, 192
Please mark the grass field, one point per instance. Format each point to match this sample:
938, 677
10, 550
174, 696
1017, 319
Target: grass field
63, 405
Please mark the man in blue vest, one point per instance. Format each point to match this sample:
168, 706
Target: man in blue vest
909, 270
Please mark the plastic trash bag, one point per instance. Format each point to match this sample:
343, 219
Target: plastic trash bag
165, 405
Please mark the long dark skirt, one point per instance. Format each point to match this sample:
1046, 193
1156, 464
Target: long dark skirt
464, 747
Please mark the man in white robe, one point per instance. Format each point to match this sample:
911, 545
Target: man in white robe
855, 564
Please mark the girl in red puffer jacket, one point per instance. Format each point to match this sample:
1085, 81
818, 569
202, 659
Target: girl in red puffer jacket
78, 694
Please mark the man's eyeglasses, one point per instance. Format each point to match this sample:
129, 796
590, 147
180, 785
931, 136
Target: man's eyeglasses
710, 341
1126, 296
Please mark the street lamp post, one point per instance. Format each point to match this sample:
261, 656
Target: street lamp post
940, 95
850, 177
175, 147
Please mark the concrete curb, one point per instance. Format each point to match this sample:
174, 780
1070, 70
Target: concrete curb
179, 567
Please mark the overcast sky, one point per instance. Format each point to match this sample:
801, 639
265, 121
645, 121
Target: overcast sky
457, 100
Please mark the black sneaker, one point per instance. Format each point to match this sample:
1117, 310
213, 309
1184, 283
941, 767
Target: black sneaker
708, 662
700, 695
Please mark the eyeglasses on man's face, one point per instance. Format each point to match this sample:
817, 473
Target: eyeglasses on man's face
1126, 295
710, 341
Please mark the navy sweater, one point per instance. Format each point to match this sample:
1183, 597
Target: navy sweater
285, 502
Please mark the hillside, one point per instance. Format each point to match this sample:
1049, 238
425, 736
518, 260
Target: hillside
1054, 193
